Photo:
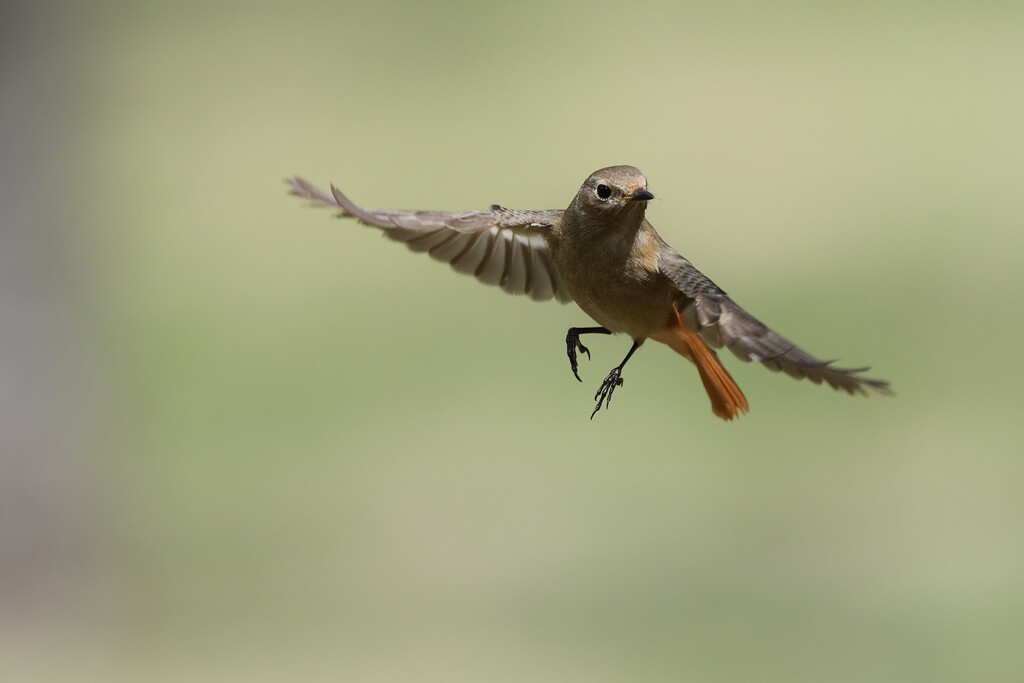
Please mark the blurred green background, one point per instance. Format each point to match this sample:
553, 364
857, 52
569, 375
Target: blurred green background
244, 441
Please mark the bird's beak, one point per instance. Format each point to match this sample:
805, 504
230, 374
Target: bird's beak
641, 195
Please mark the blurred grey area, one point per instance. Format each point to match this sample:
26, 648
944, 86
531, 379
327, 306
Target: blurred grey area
241, 439
38, 490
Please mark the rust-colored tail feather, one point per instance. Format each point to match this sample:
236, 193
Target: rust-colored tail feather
727, 400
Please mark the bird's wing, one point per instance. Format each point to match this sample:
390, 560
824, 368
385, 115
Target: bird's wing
500, 247
722, 322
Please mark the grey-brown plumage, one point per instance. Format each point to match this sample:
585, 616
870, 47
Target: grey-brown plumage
500, 247
602, 253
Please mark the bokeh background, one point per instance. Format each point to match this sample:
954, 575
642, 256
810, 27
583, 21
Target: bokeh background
244, 441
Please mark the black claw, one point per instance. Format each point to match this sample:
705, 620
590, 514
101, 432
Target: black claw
572, 342
604, 393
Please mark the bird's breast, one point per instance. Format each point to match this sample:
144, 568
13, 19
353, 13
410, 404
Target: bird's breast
618, 285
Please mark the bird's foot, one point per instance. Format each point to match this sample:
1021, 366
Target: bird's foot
604, 394
572, 342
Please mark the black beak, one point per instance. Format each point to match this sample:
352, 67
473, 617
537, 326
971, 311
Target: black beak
642, 195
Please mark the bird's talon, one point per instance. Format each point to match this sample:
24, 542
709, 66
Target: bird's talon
572, 343
604, 393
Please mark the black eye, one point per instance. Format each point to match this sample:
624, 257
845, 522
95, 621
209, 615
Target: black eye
604, 192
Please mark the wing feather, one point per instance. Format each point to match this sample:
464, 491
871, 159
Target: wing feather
502, 247
485, 271
527, 261
723, 323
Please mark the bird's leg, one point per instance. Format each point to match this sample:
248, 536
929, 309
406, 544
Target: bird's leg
614, 379
572, 342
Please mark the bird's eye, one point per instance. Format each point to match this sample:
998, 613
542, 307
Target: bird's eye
604, 192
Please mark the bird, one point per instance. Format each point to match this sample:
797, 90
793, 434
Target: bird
602, 253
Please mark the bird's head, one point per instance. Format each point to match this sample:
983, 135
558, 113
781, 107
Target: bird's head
612, 192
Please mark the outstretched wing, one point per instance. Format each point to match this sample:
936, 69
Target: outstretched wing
499, 247
722, 322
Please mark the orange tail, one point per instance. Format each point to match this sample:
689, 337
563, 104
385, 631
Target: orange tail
727, 401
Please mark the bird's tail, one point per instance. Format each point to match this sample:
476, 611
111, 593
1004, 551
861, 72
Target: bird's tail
727, 400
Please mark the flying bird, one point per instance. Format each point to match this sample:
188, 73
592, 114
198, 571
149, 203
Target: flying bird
602, 253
